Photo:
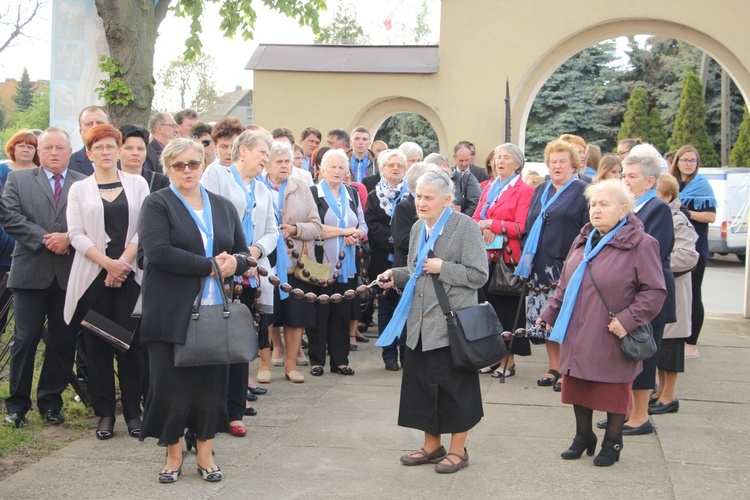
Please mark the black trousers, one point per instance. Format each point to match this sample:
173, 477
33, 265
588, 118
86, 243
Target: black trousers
647, 378
696, 317
31, 308
331, 332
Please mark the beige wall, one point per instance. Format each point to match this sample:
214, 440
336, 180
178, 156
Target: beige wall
482, 43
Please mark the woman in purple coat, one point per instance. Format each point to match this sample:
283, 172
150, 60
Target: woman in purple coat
624, 262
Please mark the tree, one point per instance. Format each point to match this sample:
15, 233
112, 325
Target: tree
656, 133
131, 28
690, 124
408, 127
24, 95
14, 20
343, 30
422, 30
636, 122
192, 81
740, 155
36, 116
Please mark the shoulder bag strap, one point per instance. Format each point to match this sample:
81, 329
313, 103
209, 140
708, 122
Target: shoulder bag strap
440, 292
222, 291
601, 296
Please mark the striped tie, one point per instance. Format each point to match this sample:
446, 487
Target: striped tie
58, 187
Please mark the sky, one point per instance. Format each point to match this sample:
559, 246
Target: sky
231, 55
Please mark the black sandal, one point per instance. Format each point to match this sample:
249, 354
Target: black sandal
316, 371
105, 429
134, 426
345, 370
547, 381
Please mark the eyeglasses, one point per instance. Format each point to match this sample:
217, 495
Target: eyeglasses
108, 148
180, 166
622, 154
173, 125
394, 165
688, 161
206, 142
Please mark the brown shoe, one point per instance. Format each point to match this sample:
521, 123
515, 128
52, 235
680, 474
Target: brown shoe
425, 458
463, 461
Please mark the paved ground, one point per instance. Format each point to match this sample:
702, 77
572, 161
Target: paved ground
336, 437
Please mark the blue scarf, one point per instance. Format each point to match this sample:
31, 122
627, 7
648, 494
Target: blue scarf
699, 192
247, 218
590, 171
359, 167
651, 193
492, 195
282, 259
207, 226
523, 268
396, 324
348, 266
571, 291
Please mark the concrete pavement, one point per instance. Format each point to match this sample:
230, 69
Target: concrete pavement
336, 437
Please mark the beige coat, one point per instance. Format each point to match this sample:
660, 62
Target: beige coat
684, 258
299, 209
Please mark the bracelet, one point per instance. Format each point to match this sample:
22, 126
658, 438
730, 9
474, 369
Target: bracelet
125, 261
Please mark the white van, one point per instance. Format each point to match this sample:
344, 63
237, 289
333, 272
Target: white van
732, 189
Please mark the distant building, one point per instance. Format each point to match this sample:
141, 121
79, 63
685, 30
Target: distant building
238, 104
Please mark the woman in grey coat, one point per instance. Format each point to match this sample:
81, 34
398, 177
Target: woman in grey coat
435, 398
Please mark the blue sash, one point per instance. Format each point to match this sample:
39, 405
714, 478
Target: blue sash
282, 259
495, 189
699, 192
348, 266
651, 193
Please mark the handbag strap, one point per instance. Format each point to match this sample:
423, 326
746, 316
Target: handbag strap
440, 292
601, 295
224, 299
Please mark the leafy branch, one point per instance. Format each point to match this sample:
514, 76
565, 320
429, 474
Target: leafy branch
114, 90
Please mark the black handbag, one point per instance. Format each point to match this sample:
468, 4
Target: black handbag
118, 337
503, 280
219, 334
475, 333
637, 345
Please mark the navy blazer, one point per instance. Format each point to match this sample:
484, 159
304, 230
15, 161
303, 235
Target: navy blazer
176, 260
404, 217
657, 221
80, 163
153, 156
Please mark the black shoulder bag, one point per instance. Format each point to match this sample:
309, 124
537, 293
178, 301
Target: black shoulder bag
637, 345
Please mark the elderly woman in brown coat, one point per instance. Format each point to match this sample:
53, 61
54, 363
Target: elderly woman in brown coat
614, 251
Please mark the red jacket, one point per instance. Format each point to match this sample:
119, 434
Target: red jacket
512, 207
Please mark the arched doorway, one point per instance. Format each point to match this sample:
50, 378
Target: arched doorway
413, 127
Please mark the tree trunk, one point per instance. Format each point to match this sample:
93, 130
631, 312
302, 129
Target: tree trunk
131, 30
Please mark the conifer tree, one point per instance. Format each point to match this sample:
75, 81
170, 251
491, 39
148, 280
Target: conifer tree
690, 124
740, 155
636, 120
656, 133
24, 95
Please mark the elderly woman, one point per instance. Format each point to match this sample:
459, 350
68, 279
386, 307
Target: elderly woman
298, 221
181, 228
615, 255
242, 185
639, 172
609, 168
435, 397
698, 198
580, 146
501, 213
412, 152
557, 214
133, 155
683, 260
343, 227
381, 204
102, 215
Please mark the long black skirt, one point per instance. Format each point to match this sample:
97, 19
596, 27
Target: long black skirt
435, 398
182, 397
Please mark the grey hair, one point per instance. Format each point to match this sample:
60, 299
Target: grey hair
515, 151
439, 179
647, 157
177, 146
436, 159
279, 148
156, 120
56, 130
331, 153
415, 172
250, 139
386, 155
614, 187
410, 148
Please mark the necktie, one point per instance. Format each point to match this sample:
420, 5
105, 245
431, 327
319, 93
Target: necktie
58, 187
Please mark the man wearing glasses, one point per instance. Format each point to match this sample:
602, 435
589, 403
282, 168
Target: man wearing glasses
201, 132
163, 129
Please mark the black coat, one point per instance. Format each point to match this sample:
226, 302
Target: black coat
404, 217
378, 234
173, 247
80, 163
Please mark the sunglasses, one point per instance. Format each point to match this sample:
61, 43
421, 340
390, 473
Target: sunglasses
192, 165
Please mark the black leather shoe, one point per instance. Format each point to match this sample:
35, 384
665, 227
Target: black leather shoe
316, 371
250, 411
352, 347
344, 370
16, 420
258, 391
251, 397
391, 366
53, 417
660, 408
646, 428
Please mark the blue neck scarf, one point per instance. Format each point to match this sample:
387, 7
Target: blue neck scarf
590, 171
523, 268
247, 218
359, 167
699, 192
571, 291
651, 193
206, 224
495, 189
282, 259
396, 324
348, 266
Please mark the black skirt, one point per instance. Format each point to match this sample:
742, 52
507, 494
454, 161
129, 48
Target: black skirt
435, 398
292, 312
672, 356
182, 397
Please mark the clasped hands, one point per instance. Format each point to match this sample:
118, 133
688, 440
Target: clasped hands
117, 272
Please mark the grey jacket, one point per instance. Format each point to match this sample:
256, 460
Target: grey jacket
464, 271
467, 191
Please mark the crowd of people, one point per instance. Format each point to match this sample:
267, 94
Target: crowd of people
131, 228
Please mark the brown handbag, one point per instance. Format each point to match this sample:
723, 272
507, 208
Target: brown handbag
313, 269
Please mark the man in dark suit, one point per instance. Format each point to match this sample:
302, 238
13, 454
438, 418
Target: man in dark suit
35, 205
163, 129
89, 117
464, 154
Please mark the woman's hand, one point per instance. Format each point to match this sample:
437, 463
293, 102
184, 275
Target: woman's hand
485, 224
111, 281
227, 264
488, 236
616, 328
288, 230
385, 280
118, 269
433, 265
543, 324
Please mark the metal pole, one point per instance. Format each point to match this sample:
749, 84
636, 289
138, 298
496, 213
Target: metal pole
725, 123
507, 111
